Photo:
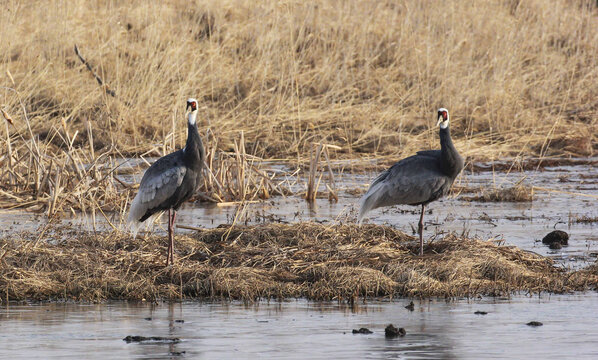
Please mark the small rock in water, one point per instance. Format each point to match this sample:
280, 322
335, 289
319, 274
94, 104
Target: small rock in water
148, 318
362, 331
158, 339
556, 236
177, 353
393, 332
481, 312
534, 323
179, 321
410, 307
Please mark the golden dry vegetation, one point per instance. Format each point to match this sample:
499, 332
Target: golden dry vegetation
341, 262
276, 78
520, 77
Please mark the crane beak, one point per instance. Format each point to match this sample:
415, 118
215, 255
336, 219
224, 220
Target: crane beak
440, 120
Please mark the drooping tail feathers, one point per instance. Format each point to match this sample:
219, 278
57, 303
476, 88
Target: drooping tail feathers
369, 201
135, 213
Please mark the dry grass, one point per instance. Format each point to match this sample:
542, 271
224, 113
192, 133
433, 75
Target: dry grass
520, 77
57, 177
516, 193
276, 79
272, 261
584, 219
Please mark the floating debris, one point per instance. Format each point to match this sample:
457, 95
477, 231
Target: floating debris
534, 323
393, 332
362, 331
179, 321
480, 312
150, 339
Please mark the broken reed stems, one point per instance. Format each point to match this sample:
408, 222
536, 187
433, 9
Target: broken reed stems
70, 178
314, 162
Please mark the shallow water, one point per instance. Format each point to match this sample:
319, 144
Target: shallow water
302, 329
519, 224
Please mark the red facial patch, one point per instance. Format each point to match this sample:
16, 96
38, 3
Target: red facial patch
444, 115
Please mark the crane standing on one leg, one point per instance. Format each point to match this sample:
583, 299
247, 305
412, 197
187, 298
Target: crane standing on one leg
418, 179
170, 181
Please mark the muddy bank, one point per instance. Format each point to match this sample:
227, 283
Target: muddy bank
272, 261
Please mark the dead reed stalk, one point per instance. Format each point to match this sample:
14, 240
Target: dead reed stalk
314, 163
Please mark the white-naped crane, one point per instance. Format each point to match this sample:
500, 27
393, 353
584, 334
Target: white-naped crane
170, 181
418, 179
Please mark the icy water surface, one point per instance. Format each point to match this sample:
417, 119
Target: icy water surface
300, 329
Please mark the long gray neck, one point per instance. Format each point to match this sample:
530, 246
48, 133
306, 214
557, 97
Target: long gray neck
451, 161
194, 150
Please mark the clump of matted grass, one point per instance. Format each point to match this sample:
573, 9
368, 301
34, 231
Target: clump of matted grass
272, 261
517, 193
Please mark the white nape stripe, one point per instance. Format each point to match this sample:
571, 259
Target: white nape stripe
192, 116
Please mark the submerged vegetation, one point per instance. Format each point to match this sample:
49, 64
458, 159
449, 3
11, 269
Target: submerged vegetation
342, 262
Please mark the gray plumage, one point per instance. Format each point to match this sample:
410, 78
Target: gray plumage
170, 181
418, 179
158, 184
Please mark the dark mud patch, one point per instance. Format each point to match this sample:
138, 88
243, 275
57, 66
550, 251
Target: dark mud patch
362, 331
273, 261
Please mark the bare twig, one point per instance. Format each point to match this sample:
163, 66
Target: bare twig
98, 79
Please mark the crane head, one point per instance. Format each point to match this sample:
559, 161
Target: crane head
192, 104
443, 118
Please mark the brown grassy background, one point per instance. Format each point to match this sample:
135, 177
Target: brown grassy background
519, 77
342, 262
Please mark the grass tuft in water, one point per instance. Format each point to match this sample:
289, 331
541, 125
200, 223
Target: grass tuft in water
340, 262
